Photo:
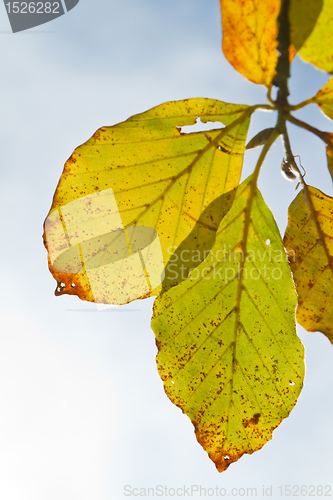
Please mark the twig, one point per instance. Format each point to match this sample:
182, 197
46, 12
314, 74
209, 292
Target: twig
280, 80
324, 136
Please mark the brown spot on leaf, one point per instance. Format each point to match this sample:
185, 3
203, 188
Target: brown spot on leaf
252, 421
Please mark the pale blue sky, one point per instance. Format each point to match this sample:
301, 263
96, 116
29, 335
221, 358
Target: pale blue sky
82, 409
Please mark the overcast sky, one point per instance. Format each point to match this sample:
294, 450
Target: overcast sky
82, 408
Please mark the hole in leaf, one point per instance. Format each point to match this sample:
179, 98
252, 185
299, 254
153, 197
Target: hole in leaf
221, 148
226, 457
60, 287
268, 242
291, 383
172, 381
199, 126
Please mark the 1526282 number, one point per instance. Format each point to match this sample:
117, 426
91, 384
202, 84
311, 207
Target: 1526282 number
305, 491
33, 8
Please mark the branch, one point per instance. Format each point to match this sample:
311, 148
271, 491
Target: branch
324, 136
289, 158
295, 107
280, 80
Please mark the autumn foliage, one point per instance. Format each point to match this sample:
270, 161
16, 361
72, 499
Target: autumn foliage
145, 208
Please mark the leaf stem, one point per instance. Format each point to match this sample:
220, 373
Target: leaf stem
324, 136
288, 154
272, 138
266, 107
301, 105
253, 185
269, 96
289, 157
282, 75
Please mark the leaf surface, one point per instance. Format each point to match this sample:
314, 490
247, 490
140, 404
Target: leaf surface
303, 15
194, 249
249, 37
133, 192
317, 48
329, 156
228, 352
310, 256
324, 99
259, 139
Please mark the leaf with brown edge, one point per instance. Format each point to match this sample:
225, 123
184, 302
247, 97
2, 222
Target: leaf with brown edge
309, 243
136, 190
228, 352
249, 30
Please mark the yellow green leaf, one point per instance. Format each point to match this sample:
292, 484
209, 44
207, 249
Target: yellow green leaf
324, 99
194, 249
228, 352
303, 15
309, 243
249, 42
135, 191
318, 48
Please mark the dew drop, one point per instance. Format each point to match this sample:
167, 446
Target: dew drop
288, 171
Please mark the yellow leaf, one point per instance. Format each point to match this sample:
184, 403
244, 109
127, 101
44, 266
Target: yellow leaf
324, 99
318, 48
249, 42
329, 155
228, 353
133, 192
303, 15
310, 255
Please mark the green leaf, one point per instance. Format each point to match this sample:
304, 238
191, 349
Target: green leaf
309, 243
228, 352
133, 192
194, 249
317, 48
